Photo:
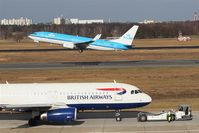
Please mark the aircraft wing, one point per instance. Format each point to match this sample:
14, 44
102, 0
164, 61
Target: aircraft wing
93, 40
81, 45
26, 107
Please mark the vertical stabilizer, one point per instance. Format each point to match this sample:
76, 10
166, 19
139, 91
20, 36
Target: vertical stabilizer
128, 37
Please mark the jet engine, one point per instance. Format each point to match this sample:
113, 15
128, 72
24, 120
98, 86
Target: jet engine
69, 45
60, 115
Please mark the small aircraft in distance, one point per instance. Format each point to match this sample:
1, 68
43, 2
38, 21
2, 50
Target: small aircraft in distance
83, 43
60, 102
182, 38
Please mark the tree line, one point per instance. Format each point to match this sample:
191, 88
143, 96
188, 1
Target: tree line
155, 30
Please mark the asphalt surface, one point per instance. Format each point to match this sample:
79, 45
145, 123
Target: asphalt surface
113, 64
99, 123
134, 48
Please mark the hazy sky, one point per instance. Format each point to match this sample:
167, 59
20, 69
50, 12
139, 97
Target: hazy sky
116, 10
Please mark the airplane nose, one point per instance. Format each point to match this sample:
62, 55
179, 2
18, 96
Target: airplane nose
145, 100
148, 98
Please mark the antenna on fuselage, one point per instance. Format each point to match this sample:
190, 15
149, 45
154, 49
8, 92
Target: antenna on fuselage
7, 82
114, 81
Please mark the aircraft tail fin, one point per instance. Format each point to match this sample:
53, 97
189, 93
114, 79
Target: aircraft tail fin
128, 37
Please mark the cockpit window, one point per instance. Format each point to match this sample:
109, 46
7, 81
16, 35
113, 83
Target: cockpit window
136, 91
132, 92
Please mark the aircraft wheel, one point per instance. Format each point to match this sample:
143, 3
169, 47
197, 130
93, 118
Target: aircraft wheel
81, 51
143, 118
32, 122
118, 119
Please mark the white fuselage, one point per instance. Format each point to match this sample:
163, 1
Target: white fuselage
79, 95
68, 44
82, 43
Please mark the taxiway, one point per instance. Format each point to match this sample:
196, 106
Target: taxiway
113, 64
134, 48
96, 122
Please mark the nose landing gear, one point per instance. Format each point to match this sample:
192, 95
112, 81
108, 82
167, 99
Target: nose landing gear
81, 51
118, 116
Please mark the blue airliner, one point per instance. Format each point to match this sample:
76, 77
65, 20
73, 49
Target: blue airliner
83, 43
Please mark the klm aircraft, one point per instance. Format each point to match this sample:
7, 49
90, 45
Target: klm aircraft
83, 43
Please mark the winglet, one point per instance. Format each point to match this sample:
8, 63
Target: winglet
97, 37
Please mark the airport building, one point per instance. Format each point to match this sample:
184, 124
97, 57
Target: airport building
73, 21
13, 21
61, 20
149, 21
90, 21
195, 16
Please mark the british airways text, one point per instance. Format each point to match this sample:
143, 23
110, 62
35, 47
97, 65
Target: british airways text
86, 97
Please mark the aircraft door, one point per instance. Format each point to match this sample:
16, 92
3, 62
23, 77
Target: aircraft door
118, 97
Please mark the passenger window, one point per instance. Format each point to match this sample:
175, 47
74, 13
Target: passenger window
132, 92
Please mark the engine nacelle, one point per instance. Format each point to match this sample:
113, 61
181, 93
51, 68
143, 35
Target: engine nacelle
69, 45
60, 115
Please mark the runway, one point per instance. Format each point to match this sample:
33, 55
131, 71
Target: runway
134, 48
113, 64
101, 123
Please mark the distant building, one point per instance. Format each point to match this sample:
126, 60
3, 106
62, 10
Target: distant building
90, 21
13, 21
149, 21
74, 21
67, 21
195, 16
61, 20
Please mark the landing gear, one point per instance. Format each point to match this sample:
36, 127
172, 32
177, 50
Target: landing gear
142, 117
35, 119
118, 117
32, 122
81, 50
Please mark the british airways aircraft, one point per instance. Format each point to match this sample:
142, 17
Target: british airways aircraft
60, 102
83, 43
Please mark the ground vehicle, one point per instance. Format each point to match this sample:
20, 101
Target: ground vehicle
183, 113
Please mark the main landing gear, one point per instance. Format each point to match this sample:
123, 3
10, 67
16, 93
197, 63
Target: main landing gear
34, 121
35, 118
118, 117
81, 51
